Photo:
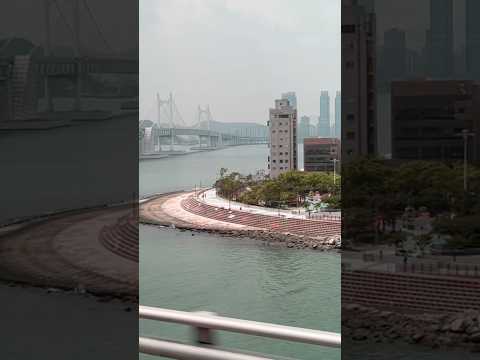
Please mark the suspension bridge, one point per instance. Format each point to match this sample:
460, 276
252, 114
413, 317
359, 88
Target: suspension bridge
170, 127
31, 78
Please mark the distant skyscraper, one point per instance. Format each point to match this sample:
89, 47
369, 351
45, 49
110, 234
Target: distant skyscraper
338, 115
292, 98
283, 138
368, 5
359, 125
394, 54
440, 39
324, 118
473, 39
303, 128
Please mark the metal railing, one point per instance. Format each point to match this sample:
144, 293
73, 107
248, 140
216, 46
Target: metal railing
205, 323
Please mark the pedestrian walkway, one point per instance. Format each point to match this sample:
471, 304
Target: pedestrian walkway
210, 197
295, 226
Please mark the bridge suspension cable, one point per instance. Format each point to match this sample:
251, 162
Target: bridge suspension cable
97, 26
75, 33
63, 18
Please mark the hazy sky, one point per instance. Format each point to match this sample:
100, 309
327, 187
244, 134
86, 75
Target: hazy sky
26, 19
238, 55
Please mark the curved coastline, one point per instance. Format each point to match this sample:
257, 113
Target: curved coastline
177, 209
52, 251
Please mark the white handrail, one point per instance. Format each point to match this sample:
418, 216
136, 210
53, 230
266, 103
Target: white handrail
181, 351
213, 322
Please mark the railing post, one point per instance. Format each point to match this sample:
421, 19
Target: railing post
205, 336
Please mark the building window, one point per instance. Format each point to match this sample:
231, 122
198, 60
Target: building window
349, 64
273, 131
286, 161
274, 161
280, 153
281, 161
350, 117
348, 29
286, 153
350, 135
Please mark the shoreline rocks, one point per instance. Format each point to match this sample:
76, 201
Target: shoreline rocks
288, 240
361, 323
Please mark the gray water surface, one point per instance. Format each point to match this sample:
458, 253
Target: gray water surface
233, 277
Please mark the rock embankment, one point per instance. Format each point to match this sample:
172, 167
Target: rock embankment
362, 323
271, 238
288, 240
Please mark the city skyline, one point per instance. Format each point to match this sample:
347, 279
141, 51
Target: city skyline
239, 70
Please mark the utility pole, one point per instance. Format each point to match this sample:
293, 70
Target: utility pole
334, 171
170, 101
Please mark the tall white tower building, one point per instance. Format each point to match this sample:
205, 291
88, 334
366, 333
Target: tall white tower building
283, 138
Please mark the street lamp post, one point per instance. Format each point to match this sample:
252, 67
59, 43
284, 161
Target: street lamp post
334, 171
465, 134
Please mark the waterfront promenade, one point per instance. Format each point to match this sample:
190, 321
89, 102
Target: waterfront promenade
70, 251
191, 210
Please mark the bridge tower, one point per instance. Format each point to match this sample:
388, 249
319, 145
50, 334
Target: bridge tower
208, 117
172, 112
78, 7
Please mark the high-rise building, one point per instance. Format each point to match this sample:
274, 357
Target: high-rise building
324, 126
472, 34
428, 118
414, 66
283, 138
338, 115
321, 154
303, 128
368, 5
358, 81
440, 39
394, 54
384, 136
292, 98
